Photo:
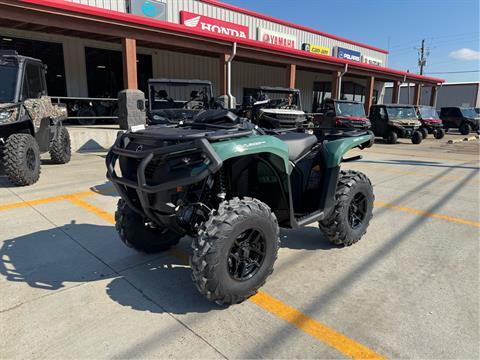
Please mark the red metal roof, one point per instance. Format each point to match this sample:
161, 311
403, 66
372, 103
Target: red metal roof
289, 24
134, 19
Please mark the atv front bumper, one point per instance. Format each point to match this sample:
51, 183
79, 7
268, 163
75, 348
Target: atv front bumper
405, 132
139, 189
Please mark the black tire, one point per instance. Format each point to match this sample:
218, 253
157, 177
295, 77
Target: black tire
86, 112
219, 251
465, 128
343, 227
417, 137
424, 133
439, 134
21, 159
392, 137
137, 235
60, 148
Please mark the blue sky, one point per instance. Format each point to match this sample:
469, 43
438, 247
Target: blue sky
450, 28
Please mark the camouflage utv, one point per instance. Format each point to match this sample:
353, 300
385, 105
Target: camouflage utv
29, 123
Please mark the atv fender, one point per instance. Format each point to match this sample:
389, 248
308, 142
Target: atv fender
336, 149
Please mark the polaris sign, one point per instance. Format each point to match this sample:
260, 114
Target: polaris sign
347, 54
153, 9
211, 25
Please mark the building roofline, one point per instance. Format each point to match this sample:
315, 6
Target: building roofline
164, 25
444, 84
290, 24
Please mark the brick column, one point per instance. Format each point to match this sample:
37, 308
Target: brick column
129, 50
417, 94
369, 94
396, 92
291, 76
336, 78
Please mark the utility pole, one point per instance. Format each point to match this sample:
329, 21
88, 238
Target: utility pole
422, 59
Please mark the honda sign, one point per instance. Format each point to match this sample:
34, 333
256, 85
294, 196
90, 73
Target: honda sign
211, 25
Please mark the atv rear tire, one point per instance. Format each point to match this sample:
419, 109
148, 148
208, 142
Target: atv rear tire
424, 133
417, 137
465, 128
351, 216
136, 234
235, 251
392, 137
60, 148
21, 159
439, 134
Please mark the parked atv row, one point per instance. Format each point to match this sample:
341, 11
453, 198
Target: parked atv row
29, 123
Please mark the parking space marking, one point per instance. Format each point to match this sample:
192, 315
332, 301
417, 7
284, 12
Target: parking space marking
427, 214
21, 204
314, 328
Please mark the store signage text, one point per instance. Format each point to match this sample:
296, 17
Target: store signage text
347, 54
212, 25
372, 61
276, 38
316, 49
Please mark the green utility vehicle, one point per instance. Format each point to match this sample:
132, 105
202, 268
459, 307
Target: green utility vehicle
29, 123
231, 186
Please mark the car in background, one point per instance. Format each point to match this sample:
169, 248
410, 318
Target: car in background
396, 121
341, 114
431, 122
464, 119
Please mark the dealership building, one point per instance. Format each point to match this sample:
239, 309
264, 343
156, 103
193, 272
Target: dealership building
95, 48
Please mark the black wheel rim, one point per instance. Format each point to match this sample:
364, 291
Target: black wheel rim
31, 160
357, 210
246, 256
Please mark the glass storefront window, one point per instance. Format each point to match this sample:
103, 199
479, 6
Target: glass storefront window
350, 91
51, 55
105, 72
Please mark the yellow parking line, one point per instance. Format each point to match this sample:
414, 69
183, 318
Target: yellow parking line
427, 214
274, 306
338, 341
4, 207
93, 209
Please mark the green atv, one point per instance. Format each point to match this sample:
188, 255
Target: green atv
29, 123
231, 186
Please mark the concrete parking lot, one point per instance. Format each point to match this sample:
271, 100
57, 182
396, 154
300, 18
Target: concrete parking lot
409, 289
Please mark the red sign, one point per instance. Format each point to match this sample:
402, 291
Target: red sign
211, 25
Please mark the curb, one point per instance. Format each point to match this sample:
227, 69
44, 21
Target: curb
471, 138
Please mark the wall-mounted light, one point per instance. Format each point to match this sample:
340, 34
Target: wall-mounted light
101, 67
7, 39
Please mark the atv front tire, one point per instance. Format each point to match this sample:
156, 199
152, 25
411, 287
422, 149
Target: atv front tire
465, 128
439, 134
424, 133
351, 216
21, 159
235, 251
137, 234
417, 137
60, 148
392, 137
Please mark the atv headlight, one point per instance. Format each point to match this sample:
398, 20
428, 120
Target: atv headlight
6, 116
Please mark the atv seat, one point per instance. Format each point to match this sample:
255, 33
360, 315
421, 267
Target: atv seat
298, 143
